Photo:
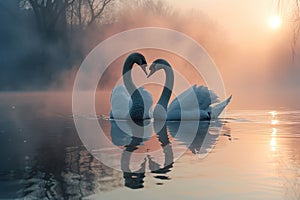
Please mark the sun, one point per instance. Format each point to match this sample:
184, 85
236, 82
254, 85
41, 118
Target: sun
275, 21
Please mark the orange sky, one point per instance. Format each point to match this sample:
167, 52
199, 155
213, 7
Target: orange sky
260, 63
242, 19
255, 61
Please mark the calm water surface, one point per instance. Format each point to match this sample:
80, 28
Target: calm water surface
251, 154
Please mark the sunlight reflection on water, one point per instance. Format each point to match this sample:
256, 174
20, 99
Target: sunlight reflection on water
251, 157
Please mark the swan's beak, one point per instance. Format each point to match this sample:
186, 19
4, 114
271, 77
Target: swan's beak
144, 69
151, 73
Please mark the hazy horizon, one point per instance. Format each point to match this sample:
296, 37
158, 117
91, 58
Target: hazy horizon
255, 61
64, 136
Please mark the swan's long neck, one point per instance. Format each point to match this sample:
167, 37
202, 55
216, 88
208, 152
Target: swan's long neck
167, 91
127, 78
136, 97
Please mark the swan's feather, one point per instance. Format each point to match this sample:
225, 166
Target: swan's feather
205, 97
121, 102
187, 100
184, 107
216, 110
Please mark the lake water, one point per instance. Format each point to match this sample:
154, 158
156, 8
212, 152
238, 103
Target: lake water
250, 154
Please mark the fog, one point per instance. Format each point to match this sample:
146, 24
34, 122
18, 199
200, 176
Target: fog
258, 71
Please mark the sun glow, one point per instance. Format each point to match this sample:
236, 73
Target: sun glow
273, 113
275, 21
273, 144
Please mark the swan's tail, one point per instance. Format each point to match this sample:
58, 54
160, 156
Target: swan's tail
216, 110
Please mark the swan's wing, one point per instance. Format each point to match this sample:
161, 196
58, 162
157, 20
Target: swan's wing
120, 102
206, 97
186, 101
147, 99
214, 97
216, 110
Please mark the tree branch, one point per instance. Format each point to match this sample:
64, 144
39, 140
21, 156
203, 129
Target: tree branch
105, 2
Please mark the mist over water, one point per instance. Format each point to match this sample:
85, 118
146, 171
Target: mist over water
262, 66
252, 152
43, 157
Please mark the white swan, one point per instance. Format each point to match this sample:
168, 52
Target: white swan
195, 103
128, 101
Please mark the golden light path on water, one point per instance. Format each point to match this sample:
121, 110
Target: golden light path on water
274, 121
252, 157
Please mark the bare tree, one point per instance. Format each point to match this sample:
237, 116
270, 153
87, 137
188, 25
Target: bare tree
156, 7
159, 7
50, 15
96, 9
84, 13
54, 16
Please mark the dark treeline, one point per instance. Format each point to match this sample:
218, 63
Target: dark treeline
41, 38
43, 42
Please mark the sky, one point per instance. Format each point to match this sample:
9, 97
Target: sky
254, 59
234, 15
261, 63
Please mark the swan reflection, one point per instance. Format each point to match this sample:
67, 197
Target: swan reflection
160, 128
137, 143
124, 132
198, 136
134, 179
134, 162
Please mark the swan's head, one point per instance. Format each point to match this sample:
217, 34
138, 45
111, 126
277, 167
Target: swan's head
140, 60
157, 65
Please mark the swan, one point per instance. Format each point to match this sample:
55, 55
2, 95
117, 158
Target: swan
195, 101
126, 100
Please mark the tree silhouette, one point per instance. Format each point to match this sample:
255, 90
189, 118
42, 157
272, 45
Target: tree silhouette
50, 16
84, 13
54, 17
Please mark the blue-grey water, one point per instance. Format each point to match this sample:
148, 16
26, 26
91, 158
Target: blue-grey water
250, 154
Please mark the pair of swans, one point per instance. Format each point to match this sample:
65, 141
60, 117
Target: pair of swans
128, 101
